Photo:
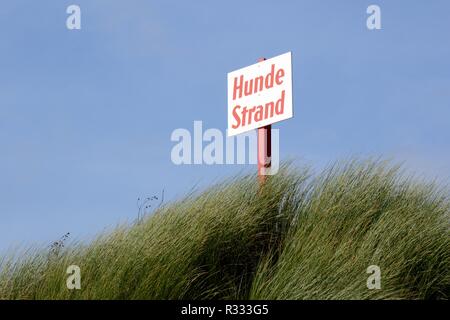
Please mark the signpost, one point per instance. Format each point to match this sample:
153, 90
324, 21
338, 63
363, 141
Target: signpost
259, 95
264, 148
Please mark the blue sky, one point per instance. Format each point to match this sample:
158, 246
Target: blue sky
86, 115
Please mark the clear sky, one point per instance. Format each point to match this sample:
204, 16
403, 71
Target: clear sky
86, 115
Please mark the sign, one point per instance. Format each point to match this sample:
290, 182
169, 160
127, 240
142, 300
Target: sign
260, 94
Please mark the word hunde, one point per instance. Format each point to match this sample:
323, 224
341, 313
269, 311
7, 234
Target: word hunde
245, 115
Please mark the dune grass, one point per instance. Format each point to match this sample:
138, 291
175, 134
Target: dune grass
302, 236
357, 215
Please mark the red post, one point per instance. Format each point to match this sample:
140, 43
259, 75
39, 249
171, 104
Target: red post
264, 152
264, 149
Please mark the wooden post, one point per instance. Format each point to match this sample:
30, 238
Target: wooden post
264, 149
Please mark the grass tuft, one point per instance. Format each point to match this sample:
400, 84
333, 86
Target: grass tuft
301, 236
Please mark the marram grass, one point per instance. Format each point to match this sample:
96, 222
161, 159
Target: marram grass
302, 236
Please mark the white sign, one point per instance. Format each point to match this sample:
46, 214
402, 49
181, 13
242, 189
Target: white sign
260, 94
